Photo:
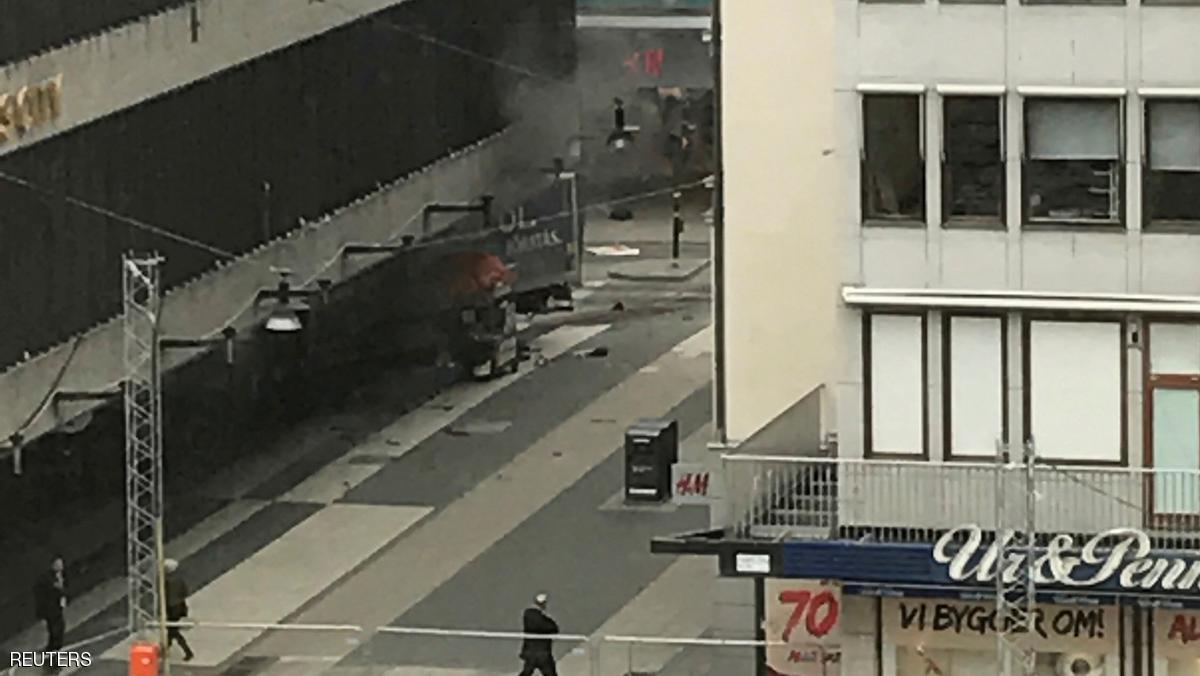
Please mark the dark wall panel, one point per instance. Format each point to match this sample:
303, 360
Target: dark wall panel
322, 122
31, 26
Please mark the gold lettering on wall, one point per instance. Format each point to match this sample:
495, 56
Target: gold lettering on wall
30, 107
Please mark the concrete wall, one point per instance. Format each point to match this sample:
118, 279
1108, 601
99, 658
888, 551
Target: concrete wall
1101, 46
1129, 47
781, 167
222, 297
122, 67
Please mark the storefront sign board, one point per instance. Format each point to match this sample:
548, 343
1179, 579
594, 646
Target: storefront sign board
802, 622
966, 625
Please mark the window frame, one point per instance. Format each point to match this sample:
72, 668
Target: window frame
868, 91
1027, 320
868, 412
1150, 383
1082, 3
1149, 224
946, 382
999, 222
1027, 222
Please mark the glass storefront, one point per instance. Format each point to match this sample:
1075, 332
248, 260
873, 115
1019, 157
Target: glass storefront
958, 638
917, 661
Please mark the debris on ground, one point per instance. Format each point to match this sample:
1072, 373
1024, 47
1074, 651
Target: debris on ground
621, 214
618, 307
594, 352
474, 427
614, 250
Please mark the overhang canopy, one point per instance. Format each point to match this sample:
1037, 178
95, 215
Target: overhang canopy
1031, 301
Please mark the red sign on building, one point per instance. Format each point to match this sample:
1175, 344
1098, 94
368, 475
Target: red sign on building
647, 61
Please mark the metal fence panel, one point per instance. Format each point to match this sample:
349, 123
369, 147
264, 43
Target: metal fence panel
906, 501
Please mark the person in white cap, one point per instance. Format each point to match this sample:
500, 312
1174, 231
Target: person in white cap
176, 592
537, 653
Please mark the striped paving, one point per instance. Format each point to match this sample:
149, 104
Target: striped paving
384, 568
98, 610
426, 558
342, 476
281, 577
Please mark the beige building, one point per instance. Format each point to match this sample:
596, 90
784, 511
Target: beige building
947, 227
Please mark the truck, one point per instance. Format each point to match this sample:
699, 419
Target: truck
523, 265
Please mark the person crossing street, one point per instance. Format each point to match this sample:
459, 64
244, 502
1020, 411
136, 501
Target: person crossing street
177, 592
538, 653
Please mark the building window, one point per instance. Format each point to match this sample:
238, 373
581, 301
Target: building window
1174, 416
1073, 2
893, 165
1172, 171
1074, 390
972, 160
973, 366
895, 407
1072, 172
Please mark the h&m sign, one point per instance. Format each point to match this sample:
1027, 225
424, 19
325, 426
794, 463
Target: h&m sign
1117, 560
30, 107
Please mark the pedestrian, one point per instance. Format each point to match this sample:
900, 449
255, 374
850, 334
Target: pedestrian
50, 602
177, 609
537, 653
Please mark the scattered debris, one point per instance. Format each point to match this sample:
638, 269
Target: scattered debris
649, 368
614, 250
611, 421
621, 214
394, 442
594, 352
479, 427
557, 454
618, 307
688, 318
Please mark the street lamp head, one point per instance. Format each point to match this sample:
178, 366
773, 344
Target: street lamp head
285, 315
284, 320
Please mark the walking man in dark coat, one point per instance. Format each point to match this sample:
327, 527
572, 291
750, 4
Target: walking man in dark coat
537, 652
176, 592
50, 602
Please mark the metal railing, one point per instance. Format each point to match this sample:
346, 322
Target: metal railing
917, 501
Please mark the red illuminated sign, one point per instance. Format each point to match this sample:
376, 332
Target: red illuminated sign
647, 61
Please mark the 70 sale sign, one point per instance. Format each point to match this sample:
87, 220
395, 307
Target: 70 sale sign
803, 624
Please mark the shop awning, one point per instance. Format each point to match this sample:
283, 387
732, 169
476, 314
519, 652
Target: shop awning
1027, 301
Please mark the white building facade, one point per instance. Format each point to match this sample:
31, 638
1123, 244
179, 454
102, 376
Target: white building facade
948, 227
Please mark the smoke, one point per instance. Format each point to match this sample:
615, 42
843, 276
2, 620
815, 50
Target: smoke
543, 103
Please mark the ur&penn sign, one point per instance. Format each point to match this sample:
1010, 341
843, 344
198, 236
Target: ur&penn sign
1120, 559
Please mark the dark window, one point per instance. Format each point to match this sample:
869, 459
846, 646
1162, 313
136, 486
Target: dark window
1073, 2
893, 168
1072, 171
972, 159
1172, 171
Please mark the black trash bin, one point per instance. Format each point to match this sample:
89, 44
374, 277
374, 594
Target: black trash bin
651, 447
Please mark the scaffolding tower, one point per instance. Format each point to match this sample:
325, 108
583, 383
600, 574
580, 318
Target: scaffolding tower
143, 437
1016, 537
